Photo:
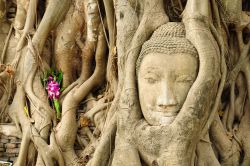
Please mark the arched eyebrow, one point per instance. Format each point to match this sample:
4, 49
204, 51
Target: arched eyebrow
151, 70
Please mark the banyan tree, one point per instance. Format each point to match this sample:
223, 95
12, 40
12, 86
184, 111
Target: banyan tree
128, 82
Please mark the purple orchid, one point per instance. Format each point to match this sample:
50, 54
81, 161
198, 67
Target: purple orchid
53, 89
51, 78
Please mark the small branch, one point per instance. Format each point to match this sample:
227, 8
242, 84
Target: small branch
22, 6
243, 133
23, 152
69, 88
103, 150
53, 15
231, 111
29, 23
223, 69
83, 142
6, 43
111, 66
42, 147
93, 20
204, 151
241, 62
241, 98
246, 71
89, 134
220, 138
99, 107
56, 151
99, 74
225, 116
180, 4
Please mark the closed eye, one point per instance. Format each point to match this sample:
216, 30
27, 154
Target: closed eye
151, 80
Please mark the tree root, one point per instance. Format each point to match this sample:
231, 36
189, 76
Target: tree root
29, 23
241, 99
98, 76
21, 160
31, 134
111, 66
65, 42
51, 18
104, 149
91, 113
22, 7
231, 113
243, 134
204, 151
223, 144
47, 152
10, 130
50, 114
93, 20
74, 97
6, 44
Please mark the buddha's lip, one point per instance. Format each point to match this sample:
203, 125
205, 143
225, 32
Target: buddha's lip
171, 111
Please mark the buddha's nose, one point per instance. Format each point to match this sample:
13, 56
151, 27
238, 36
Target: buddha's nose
167, 97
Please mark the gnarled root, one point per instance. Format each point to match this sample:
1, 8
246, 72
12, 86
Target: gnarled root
74, 97
65, 42
204, 151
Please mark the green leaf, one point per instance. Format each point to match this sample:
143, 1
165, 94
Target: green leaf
60, 78
58, 108
42, 81
25, 108
62, 89
44, 78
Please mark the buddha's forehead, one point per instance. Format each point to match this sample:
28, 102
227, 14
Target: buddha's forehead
178, 63
154, 59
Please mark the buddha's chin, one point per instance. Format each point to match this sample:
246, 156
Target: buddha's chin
164, 121
160, 120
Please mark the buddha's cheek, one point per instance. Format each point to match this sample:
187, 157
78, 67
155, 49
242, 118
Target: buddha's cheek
148, 94
181, 91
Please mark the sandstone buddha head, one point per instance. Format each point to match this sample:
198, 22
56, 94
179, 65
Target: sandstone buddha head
166, 69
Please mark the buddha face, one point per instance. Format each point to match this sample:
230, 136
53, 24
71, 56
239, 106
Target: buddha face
163, 83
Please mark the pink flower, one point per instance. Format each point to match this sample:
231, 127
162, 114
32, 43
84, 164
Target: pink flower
51, 78
57, 94
53, 89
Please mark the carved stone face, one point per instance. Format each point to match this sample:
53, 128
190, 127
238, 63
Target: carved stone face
164, 82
